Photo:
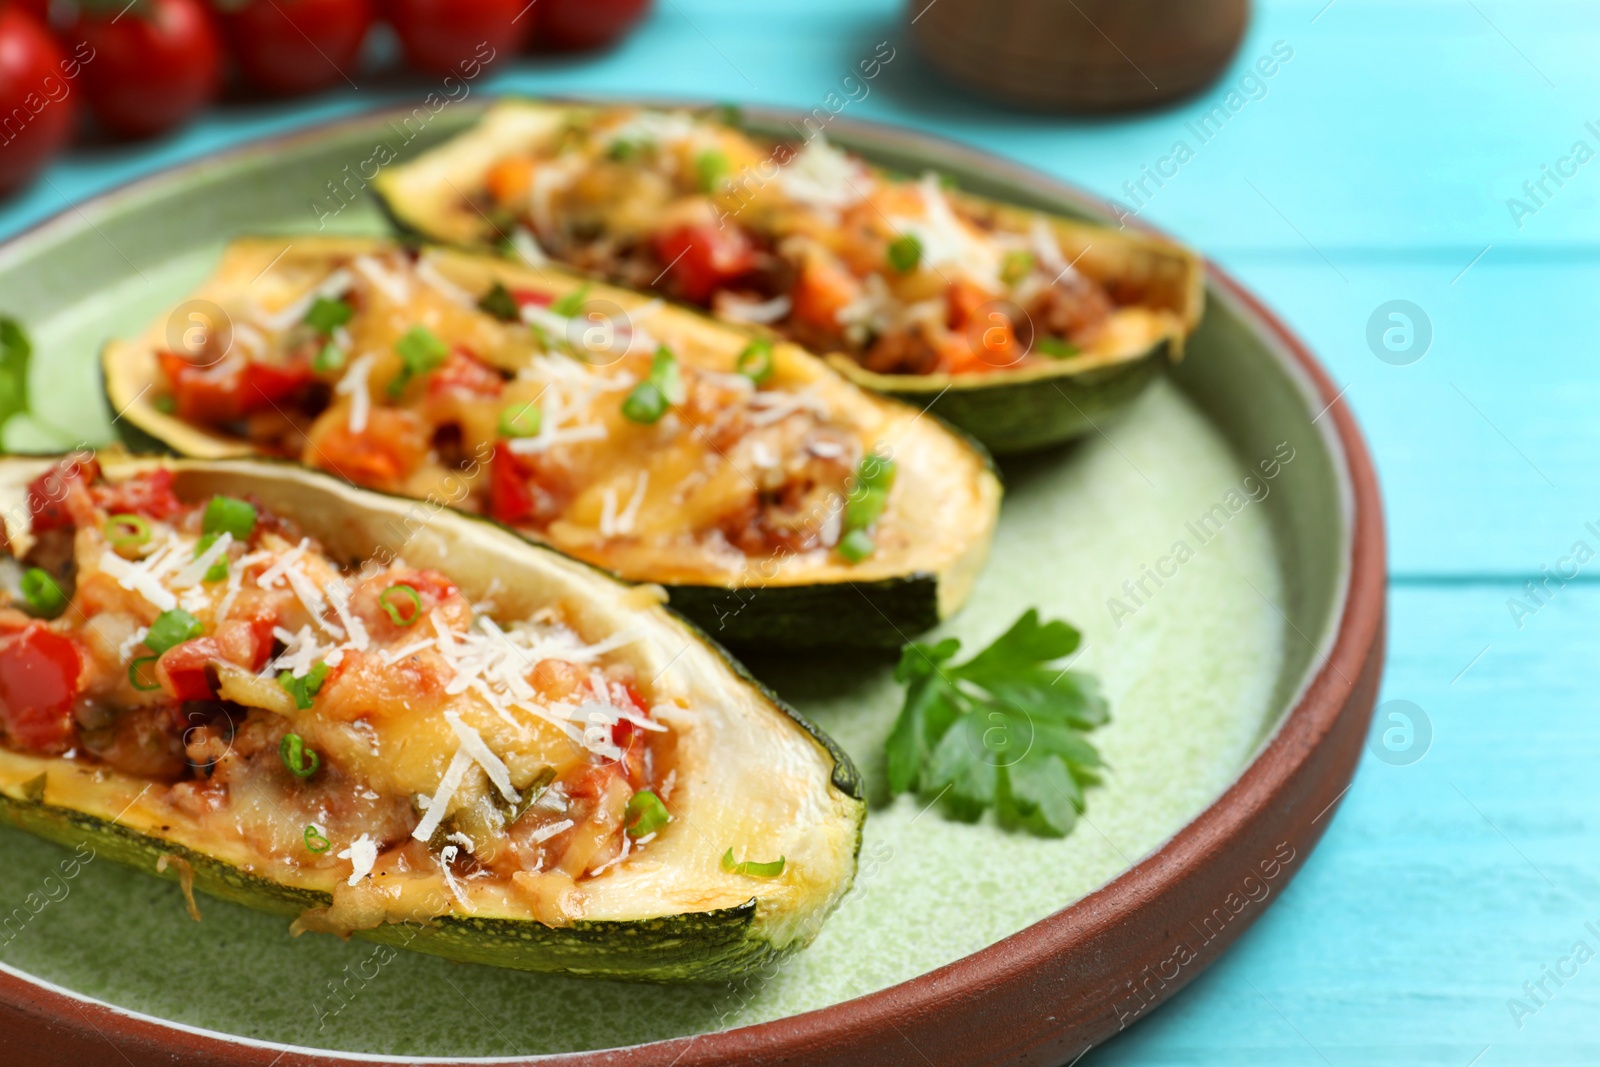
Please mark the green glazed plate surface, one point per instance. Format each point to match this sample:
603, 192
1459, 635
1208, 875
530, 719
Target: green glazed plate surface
1206, 591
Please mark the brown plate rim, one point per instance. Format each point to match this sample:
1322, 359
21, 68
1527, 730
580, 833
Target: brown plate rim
1041, 996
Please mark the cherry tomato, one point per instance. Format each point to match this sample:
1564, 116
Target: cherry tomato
578, 25
37, 104
39, 675
703, 259
459, 36
155, 63
296, 46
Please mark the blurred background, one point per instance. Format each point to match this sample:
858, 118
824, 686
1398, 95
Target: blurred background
1409, 183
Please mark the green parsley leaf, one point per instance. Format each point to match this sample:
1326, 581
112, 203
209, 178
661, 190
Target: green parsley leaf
15, 352
1004, 730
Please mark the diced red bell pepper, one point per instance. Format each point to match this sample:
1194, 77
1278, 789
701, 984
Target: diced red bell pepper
705, 258
510, 496
182, 668
466, 373
47, 493
40, 676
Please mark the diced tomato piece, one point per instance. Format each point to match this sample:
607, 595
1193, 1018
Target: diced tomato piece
266, 384
705, 258
145, 494
248, 640
182, 668
592, 780
465, 372
510, 496
524, 297
40, 674
47, 493
824, 288
224, 393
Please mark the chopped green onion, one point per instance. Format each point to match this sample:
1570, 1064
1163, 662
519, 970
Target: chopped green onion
304, 688
327, 315
172, 628
645, 404
875, 471
133, 674
728, 115
755, 362
751, 867
905, 253
520, 421
1055, 349
329, 358
569, 306
863, 507
218, 570
391, 599
856, 546
711, 168
499, 302
646, 814
420, 351
315, 842
665, 374
42, 594
166, 404
1015, 266
127, 531
225, 514
301, 760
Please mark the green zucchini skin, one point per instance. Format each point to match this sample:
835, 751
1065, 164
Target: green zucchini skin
708, 946
1025, 415
822, 615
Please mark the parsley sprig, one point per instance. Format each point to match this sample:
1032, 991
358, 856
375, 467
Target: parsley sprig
1004, 730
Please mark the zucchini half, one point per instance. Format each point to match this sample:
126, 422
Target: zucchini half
931, 543
1159, 286
753, 775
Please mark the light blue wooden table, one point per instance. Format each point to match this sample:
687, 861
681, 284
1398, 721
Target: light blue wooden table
1375, 165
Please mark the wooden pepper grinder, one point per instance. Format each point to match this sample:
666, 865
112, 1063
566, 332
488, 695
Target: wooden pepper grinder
1080, 55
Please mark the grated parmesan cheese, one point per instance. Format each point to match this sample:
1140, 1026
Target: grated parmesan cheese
354, 385
362, 854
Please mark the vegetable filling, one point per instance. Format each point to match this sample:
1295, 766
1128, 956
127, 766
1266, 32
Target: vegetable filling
356, 722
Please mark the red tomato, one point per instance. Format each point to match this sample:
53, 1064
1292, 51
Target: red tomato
204, 395
574, 25
296, 46
459, 36
510, 497
704, 258
182, 668
47, 493
155, 63
390, 448
39, 676
37, 106
147, 494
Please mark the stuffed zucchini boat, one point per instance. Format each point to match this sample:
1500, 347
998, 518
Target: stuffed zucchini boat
1022, 328
775, 501
272, 685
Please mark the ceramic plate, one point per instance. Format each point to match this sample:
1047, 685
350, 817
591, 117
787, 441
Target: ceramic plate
1220, 546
